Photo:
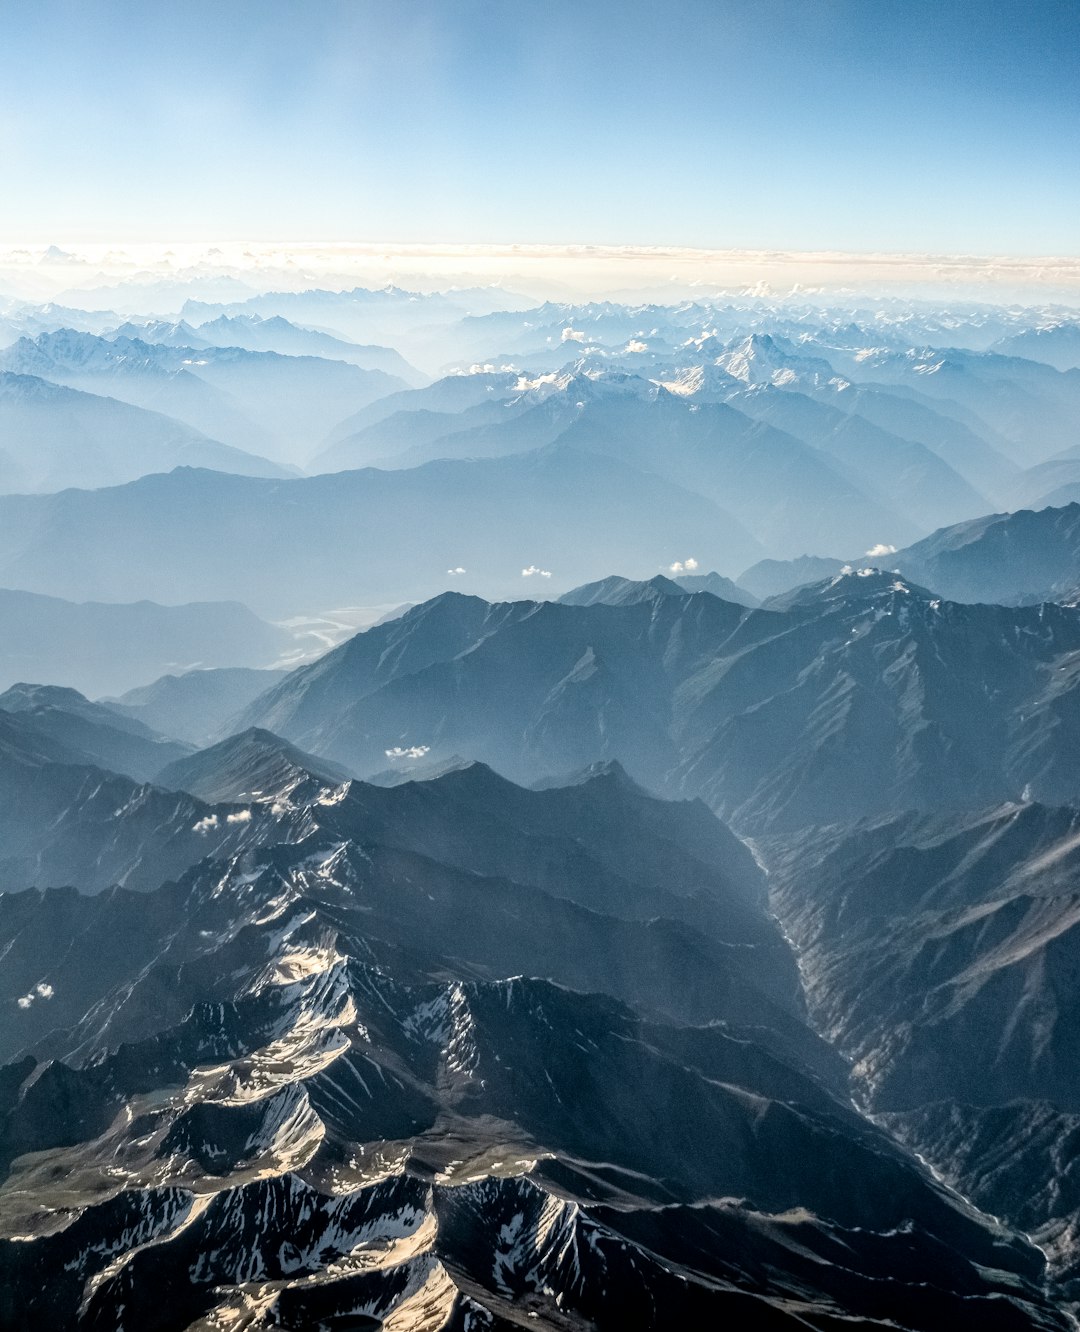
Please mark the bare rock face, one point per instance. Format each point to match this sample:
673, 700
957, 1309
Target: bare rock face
453, 1054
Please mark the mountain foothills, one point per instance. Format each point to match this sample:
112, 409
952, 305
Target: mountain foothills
547, 815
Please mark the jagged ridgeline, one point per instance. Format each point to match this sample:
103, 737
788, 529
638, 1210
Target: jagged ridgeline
450, 1054
519, 814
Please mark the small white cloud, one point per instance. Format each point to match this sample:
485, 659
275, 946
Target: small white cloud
204, 825
683, 566
535, 569
42, 990
408, 752
241, 816
636, 345
572, 335
454, 573
881, 549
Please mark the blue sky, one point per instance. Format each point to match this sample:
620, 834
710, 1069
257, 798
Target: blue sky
809, 124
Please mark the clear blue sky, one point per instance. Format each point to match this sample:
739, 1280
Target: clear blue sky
949, 126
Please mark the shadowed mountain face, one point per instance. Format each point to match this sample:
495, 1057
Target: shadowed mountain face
53, 436
90, 732
1030, 406
797, 481
296, 1088
1056, 344
865, 693
939, 955
250, 766
197, 705
273, 334
1002, 557
353, 535
256, 400
769, 578
1017, 558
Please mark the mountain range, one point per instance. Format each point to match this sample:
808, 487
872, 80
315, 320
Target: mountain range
53, 437
303, 1068
864, 692
253, 400
937, 953
595, 850
358, 537
273, 334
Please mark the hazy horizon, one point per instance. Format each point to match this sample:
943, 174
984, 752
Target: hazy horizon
60, 267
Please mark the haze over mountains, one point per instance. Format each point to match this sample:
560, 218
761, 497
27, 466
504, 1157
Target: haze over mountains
520, 813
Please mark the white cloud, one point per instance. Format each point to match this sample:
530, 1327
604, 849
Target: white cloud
42, 990
881, 549
535, 569
455, 572
683, 566
408, 752
636, 345
573, 335
204, 825
241, 816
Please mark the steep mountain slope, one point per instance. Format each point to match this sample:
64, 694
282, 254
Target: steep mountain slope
129, 370
903, 473
515, 1031
94, 733
766, 373
280, 405
1009, 558
275, 334
447, 396
1038, 487
1002, 557
865, 693
938, 954
790, 495
52, 436
488, 430
280, 335
383, 536
768, 578
64, 821
304, 1093
616, 591
194, 706
1030, 406
385, 443
254, 765
910, 415
1056, 344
